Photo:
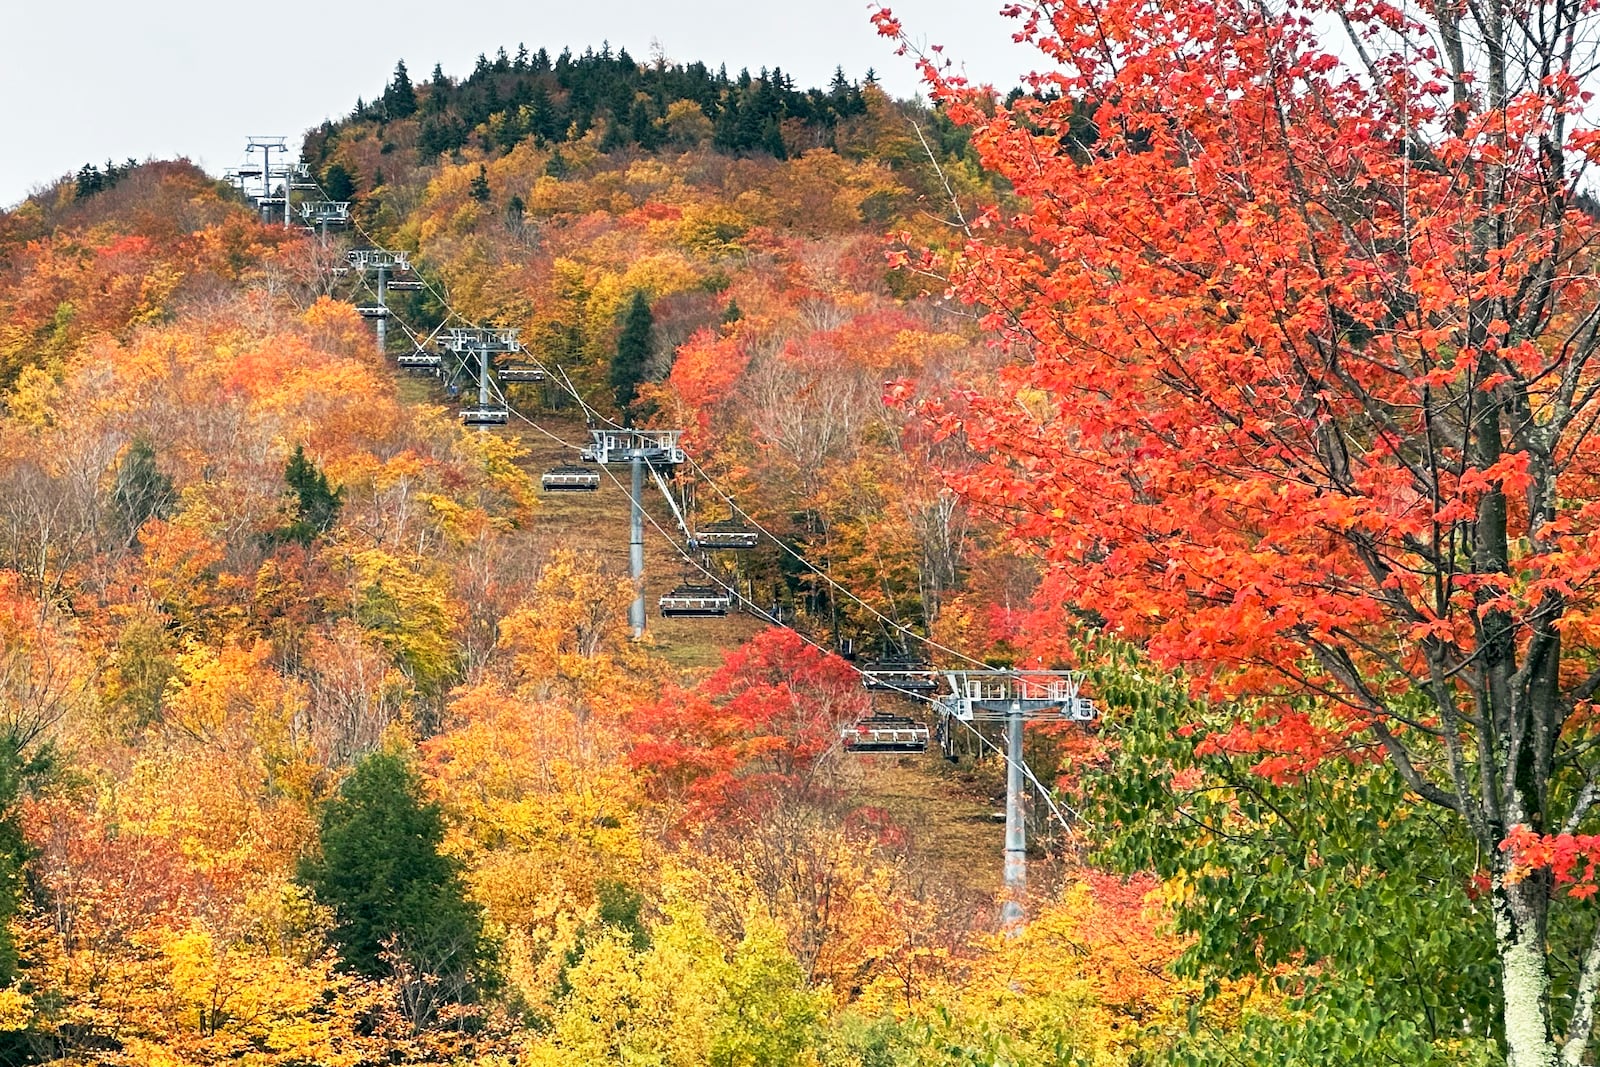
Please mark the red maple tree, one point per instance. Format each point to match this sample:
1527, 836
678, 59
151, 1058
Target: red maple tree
1307, 391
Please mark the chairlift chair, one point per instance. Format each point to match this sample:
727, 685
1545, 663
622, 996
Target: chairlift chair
881, 732
404, 285
484, 416
726, 534
569, 478
696, 602
901, 676
520, 372
421, 359
372, 311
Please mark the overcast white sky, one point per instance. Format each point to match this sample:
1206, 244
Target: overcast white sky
99, 79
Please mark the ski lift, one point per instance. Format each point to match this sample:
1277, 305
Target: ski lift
404, 285
696, 601
880, 732
372, 311
726, 534
899, 676
521, 372
484, 416
569, 478
421, 359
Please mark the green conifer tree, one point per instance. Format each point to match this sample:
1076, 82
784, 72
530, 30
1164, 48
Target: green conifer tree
634, 346
337, 183
142, 491
400, 99
480, 185
400, 907
315, 505
89, 181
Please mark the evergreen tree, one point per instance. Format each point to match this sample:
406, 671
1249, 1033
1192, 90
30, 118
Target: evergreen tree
615, 136
557, 166
634, 345
337, 183
440, 136
542, 121
480, 185
731, 313
142, 491
643, 129
400, 99
399, 904
316, 507
438, 92
89, 181
772, 140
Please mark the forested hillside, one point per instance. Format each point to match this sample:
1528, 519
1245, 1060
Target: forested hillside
324, 738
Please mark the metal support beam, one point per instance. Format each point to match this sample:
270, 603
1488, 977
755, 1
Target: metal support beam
383, 320
1016, 885
483, 378
672, 502
636, 547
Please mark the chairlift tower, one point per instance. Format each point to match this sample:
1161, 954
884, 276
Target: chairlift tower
484, 344
266, 146
383, 263
320, 214
657, 451
1014, 697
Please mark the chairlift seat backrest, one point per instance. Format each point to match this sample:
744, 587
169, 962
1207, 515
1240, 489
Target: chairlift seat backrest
490, 416
696, 601
570, 479
884, 733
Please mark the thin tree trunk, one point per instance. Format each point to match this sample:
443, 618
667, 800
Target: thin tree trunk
1524, 973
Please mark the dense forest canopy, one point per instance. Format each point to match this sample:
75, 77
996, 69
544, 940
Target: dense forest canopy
323, 735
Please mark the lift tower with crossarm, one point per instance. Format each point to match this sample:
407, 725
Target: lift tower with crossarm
384, 264
1014, 697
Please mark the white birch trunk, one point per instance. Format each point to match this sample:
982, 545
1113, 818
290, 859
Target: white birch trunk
1525, 980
